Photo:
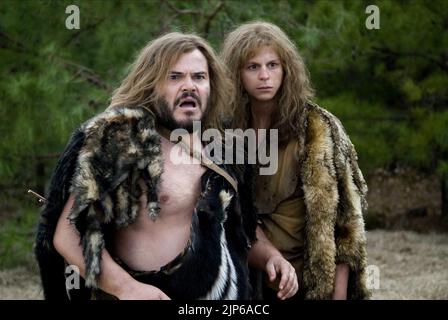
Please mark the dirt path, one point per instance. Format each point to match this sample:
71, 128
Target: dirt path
411, 265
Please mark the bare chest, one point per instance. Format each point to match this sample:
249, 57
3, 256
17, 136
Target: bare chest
148, 244
181, 177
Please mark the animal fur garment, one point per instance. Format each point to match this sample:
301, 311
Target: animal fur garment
335, 197
101, 166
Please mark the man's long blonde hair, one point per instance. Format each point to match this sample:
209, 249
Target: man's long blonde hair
242, 44
151, 70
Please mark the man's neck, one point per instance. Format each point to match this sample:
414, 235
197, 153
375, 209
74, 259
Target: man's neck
193, 140
262, 113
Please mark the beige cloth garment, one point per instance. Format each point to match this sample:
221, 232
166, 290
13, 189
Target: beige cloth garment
279, 199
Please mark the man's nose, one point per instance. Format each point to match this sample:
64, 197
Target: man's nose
188, 84
264, 74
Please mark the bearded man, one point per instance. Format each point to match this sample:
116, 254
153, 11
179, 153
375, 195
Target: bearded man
135, 223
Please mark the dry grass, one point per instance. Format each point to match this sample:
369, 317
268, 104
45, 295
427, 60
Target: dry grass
412, 266
20, 283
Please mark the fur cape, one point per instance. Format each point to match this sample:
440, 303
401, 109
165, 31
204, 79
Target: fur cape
101, 166
335, 198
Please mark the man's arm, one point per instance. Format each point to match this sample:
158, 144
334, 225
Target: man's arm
263, 255
341, 281
113, 279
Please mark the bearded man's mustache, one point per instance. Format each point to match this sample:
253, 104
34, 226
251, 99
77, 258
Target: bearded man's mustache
164, 116
186, 95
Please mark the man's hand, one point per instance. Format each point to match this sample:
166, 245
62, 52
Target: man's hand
140, 291
263, 255
277, 266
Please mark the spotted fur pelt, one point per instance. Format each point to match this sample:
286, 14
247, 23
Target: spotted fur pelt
101, 165
335, 198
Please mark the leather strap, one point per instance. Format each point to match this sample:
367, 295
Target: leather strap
164, 132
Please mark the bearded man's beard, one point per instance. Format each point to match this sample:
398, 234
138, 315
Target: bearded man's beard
164, 116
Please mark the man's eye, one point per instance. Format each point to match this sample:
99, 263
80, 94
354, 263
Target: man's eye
173, 77
252, 67
200, 77
272, 65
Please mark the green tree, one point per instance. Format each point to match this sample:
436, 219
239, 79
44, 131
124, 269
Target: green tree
388, 86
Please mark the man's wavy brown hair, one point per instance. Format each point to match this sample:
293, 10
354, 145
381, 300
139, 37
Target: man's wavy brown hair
151, 70
242, 44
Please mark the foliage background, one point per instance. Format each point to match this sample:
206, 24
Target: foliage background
389, 86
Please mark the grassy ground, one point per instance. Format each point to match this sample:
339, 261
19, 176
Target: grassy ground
412, 266
17, 231
20, 284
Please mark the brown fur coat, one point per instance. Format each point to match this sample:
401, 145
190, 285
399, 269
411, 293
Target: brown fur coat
335, 198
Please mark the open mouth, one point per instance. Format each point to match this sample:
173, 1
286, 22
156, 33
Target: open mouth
188, 104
